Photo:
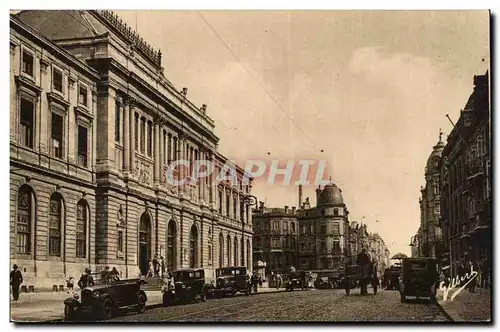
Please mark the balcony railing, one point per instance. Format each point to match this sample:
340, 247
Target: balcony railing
477, 169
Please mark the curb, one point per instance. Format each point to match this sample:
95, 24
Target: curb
449, 311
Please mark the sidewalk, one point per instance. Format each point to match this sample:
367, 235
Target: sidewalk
470, 307
42, 307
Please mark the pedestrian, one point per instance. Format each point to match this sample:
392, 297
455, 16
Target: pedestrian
162, 260
156, 266
150, 268
105, 274
486, 273
278, 280
70, 282
86, 280
114, 275
16, 279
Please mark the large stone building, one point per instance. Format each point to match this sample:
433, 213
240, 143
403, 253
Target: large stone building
275, 237
323, 230
430, 244
94, 127
466, 196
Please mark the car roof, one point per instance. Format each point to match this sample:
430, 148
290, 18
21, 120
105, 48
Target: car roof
189, 270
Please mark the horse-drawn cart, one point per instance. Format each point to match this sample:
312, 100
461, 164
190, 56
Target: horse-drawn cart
362, 276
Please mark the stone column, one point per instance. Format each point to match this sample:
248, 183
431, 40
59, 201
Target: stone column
129, 104
182, 152
157, 160
126, 139
213, 186
204, 180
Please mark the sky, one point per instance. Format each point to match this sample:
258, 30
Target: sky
369, 88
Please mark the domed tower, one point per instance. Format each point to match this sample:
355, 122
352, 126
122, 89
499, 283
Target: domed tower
430, 200
332, 226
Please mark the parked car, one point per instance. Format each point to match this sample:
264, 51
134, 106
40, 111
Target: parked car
419, 277
296, 280
189, 285
323, 283
231, 280
105, 299
393, 278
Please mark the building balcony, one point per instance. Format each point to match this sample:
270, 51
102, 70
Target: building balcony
477, 170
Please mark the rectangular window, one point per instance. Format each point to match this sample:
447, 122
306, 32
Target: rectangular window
143, 135
117, 122
242, 211
336, 246
150, 138
81, 218
136, 131
220, 202
175, 153
82, 95
323, 229
57, 135
120, 241
285, 227
292, 227
57, 80
276, 226
82, 146
227, 205
27, 123
27, 63
323, 246
164, 157
169, 148
234, 207
336, 228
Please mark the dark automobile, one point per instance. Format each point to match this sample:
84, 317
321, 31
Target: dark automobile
189, 285
231, 280
296, 280
324, 283
393, 278
419, 277
105, 298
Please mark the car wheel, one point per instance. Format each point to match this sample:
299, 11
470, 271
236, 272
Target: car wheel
167, 299
141, 302
105, 309
403, 299
347, 291
69, 313
204, 297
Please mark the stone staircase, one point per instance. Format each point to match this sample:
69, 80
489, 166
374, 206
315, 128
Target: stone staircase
153, 284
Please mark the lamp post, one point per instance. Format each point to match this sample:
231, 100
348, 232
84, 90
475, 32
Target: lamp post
251, 201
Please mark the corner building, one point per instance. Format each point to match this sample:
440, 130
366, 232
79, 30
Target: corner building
94, 126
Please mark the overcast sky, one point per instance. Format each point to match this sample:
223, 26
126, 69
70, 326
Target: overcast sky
369, 88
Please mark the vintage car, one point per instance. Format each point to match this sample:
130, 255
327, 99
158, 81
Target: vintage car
324, 283
189, 285
105, 298
392, 282
296, 280
231, 280
419, 277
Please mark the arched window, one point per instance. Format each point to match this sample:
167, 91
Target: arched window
171, 245
228, 250
235, 248
81, 228
25, 219
193, 247
249, 257
221, 250
55, 223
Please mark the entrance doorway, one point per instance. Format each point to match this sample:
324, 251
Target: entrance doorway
144, 243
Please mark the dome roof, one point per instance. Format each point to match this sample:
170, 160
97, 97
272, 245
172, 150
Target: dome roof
330, 194
435, 156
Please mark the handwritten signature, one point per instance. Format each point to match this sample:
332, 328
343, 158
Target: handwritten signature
455, 282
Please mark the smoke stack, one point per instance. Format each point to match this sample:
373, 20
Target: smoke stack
300, 196
293, 209
286, 208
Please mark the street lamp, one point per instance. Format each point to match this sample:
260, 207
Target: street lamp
250, 200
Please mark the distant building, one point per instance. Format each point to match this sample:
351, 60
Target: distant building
430, 205
275, 237
465, 169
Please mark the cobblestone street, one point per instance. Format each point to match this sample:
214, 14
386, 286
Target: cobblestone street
296, 306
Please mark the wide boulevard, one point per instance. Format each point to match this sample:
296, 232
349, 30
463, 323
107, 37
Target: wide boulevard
296, 306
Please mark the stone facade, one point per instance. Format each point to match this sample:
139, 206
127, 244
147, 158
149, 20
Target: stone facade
275, 237
466, 182
104, 126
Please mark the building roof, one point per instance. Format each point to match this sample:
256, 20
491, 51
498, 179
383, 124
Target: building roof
435, 156
331, 195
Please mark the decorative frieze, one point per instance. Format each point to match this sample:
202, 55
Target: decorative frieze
143, 171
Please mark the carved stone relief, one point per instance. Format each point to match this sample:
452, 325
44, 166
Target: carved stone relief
143, 171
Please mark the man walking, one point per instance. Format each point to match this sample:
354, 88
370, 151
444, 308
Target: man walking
16, 279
